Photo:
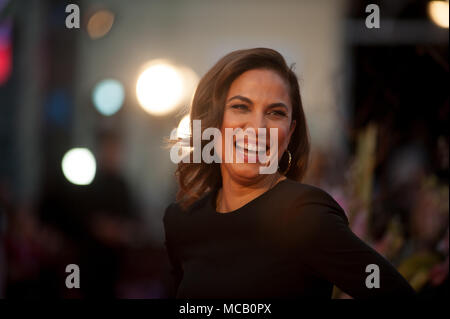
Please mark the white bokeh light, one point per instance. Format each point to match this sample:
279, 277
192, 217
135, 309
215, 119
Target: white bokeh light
159, 88
438, 12
79, 166
184, 127
181, 134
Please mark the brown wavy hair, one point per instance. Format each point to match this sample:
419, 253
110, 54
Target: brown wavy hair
196, 179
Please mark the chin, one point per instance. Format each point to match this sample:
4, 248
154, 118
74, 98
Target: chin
245, 171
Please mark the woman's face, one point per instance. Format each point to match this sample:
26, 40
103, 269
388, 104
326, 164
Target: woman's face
258, 98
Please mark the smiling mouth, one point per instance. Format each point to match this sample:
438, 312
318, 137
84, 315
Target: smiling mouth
252, 149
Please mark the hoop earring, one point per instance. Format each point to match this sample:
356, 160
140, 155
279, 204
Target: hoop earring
289, 163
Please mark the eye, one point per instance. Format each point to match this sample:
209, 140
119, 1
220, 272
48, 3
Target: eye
242, 107
278, 113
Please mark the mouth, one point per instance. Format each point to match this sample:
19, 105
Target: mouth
251, 149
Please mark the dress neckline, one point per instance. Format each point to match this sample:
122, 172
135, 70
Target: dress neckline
213, 195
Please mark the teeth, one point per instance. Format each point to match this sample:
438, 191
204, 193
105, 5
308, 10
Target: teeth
250, 147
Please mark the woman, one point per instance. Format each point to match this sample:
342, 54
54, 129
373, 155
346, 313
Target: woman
237, 233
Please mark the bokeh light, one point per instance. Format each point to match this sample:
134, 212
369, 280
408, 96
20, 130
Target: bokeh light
100, 23
108, 96
159, 88
6, 52
58, 107
438, 12
184, 127
79, 166
163, 87
181, 134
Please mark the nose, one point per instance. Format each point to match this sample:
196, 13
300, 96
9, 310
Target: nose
255, 121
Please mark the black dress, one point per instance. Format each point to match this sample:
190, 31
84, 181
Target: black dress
292, 241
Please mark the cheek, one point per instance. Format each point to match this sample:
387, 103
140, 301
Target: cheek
227, 122
283, 136
231, 120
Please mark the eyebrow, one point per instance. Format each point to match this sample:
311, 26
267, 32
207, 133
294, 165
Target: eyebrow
246, 99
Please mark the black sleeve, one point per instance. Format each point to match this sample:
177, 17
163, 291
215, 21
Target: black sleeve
333, 252
176, 270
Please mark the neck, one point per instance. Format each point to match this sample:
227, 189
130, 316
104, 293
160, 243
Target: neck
234, 195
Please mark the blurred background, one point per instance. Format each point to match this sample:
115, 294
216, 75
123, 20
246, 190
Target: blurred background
84, 173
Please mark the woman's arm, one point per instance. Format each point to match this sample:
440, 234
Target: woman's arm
333, 252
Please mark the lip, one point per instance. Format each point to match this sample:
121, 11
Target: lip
249, 150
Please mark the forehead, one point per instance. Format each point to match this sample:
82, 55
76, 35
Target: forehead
260, 84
